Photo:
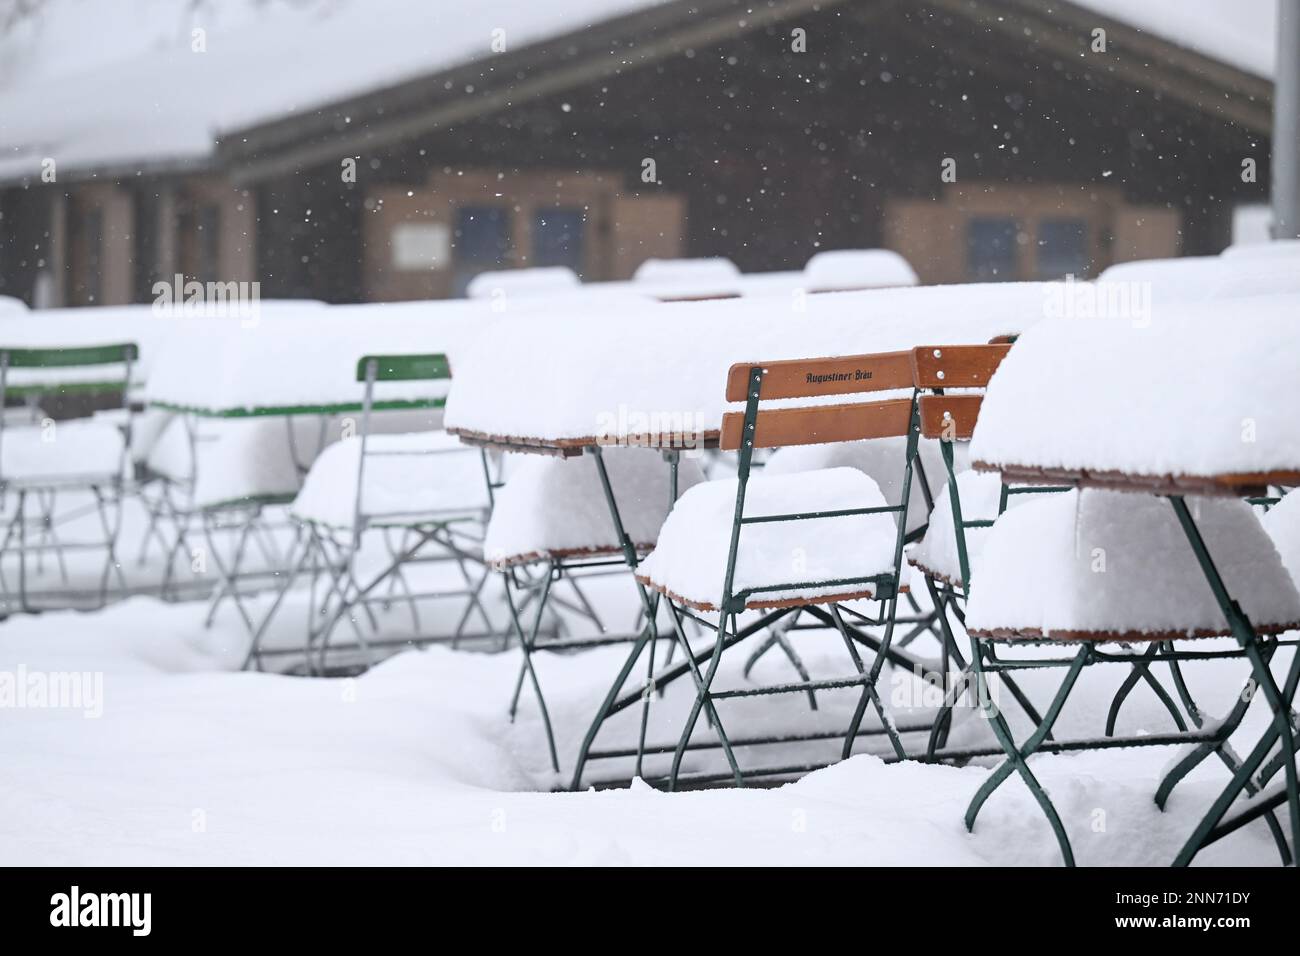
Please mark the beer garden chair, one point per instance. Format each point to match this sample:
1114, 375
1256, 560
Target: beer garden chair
726, 549
41, 461
1197, 564
424, 489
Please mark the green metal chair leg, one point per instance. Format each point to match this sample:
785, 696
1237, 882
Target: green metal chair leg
1141, 671
1017, 757
702, 700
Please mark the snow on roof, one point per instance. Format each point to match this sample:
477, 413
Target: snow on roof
156, 100
1205, 389
1242, 33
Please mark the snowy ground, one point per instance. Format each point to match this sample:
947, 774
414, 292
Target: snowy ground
415, 762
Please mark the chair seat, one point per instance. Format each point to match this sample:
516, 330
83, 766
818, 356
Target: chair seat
936, 553
690, 562
556, 508
1107, 565
78, 452
408, 479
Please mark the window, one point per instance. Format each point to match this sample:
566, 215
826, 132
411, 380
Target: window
1062, 248
991, 249
558, 238
482, 241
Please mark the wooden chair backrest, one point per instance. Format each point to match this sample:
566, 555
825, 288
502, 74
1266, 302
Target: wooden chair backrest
820, 378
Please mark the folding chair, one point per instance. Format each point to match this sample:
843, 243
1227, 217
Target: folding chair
40, 462
419, 494
550, 526
815, 541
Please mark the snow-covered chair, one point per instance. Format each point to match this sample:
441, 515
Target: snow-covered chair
422, 495
1156, 545
551, 522
42, 460
811, 540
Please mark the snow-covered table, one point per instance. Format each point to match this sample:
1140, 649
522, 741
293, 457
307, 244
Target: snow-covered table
655, 374
1201, 402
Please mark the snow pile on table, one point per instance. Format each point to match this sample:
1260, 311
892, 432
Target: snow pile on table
846, 269
1276, 248
556, 506
881, 459
690, 561
1175, 282
62, 450
544, 280
405, 478
1211, 392
670, 362
1117, 564
1282, 522
688, 278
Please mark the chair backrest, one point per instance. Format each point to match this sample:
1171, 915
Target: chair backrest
757, 382
121, 355
372, 369
754, 383
936, 368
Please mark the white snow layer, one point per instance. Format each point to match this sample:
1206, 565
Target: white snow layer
60, 451
690, 560
505, 282
1274, 248
1108, 562
979, 494
687, 278
556, 506
1208, 389
260, 62
845, 269
1282, 522
664, 367
406, 477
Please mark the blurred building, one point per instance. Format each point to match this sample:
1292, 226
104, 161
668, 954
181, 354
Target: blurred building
982, 139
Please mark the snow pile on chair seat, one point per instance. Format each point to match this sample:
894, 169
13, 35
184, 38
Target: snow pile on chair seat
546, 280
1282, 522
1211, 392
237, 459
882, 459
845, 269
1107, 565
936, 553
671, 363
688, 278
690, 561
406, 478
11, 306
555, 507
61, 451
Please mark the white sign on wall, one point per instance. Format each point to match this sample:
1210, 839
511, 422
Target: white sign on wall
418, 246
